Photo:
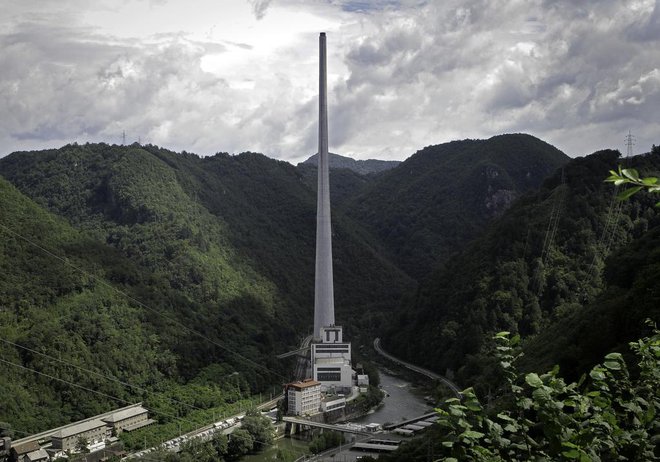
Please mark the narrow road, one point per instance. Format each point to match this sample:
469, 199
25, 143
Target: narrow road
432, 375
303, 362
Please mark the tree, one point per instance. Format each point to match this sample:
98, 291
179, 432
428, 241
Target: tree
240, 443
325, 441
220, 444
260, 428
286, 455
631, 176
6, 430
608, 416
81, 445
198, 450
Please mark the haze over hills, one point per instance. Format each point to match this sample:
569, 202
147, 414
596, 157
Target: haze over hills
362, 167
225, 246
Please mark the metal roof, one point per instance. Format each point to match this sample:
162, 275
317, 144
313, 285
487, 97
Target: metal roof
125, 414
79, 428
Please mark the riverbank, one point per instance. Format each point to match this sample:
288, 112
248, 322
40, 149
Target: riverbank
403, 400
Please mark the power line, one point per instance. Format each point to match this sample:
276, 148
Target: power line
93, 391
112, 379
613, 212
555, 214
105, 395
143, 305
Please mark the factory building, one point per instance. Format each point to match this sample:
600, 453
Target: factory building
94, 431
331, 361
128, 419
303, 398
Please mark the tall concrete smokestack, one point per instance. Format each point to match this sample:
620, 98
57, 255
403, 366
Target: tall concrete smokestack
324, 299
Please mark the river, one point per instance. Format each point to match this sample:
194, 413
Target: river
402, 402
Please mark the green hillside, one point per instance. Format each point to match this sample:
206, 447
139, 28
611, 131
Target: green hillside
345, 184
56, 299
442, 197
362, 167
173, 272
214, 258
542, 269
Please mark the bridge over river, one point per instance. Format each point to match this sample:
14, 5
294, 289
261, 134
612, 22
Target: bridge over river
357, 430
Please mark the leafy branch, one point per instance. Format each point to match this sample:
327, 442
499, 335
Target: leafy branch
606, 416
631, 176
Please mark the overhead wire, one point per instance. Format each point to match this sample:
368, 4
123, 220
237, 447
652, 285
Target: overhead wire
141, 304
608, 234
551, 231
123, 401
93, 391
98, 374
555, 213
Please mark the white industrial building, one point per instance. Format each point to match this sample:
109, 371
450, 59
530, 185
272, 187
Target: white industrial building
332, 404
93, 431
128, 419
331, 361
303, 398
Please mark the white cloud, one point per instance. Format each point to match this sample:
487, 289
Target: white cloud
238, 75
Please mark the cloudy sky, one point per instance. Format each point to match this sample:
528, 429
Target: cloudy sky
210, 76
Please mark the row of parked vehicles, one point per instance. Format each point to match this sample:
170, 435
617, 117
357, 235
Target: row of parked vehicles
228, 423
173, 444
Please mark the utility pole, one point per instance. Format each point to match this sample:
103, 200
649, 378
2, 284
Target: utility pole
123, 137
630, 142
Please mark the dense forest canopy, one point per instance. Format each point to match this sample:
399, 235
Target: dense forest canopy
184, 276
439, 199
568, 267
201, 266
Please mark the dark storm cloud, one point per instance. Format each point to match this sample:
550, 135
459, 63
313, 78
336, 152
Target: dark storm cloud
259, 7
402, 74
507, 67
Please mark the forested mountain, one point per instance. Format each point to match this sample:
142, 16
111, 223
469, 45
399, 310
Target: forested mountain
173, 272
223, 245
344, 183
440, 198
568, 264
363, 167
57, 299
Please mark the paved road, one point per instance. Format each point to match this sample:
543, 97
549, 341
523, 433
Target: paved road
303, 362
205, 433
454, 388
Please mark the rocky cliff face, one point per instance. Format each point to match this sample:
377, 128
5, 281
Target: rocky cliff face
499, 201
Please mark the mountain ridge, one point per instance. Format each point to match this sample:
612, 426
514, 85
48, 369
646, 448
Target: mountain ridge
524, 277
440, 198
363, 167
225, 244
